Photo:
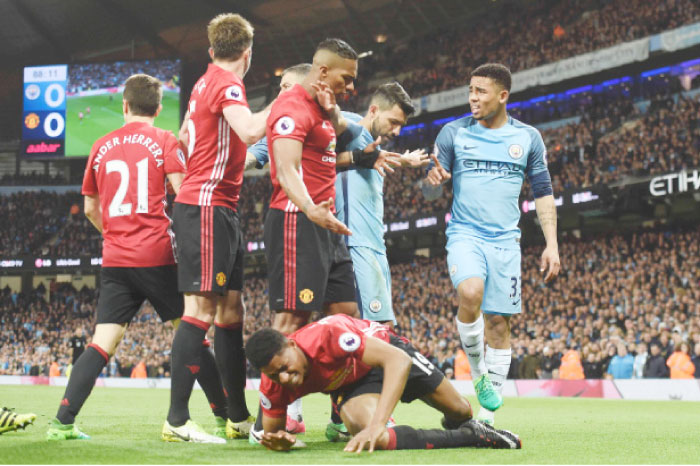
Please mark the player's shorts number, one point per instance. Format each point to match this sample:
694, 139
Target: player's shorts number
116, 208
422, 363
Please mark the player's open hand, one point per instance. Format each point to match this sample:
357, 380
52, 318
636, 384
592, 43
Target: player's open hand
549, 263
437, 175
324, 96
322, 215
278, 441
367, 437
416, 159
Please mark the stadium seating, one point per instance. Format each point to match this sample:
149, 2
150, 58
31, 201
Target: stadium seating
641, 288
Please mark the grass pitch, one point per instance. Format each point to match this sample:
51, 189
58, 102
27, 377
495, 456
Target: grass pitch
125, 428
105, 116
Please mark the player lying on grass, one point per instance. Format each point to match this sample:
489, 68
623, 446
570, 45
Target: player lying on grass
10, 420
367, 369
125, 198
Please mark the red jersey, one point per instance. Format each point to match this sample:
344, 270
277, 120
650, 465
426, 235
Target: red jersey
296, 115
216, 154
127, 168
334, 347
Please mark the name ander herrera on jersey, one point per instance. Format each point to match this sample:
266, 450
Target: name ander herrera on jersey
152, 146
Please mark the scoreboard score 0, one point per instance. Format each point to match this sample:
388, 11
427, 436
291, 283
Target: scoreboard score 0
44, 116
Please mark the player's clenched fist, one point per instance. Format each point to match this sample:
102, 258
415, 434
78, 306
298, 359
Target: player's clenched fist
437, 175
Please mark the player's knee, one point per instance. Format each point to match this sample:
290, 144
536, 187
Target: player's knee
471, 295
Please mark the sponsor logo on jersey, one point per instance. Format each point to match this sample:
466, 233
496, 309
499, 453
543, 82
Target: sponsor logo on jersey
375, 305
265, 401
306, 296
32, 92
349, 341
31, 121
284, 126
515, 151
453, 270
220, 279
234, 93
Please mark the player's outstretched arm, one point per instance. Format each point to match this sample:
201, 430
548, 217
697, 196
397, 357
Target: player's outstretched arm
288, 163
415, 159
250, 127
396, 365
276, 438
547, 215
93, 210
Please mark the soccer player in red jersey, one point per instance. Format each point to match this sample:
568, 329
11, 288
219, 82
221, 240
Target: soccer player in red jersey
366, 369
125, 198
207, 228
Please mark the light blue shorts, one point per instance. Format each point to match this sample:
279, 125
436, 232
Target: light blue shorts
372, 284
498, 266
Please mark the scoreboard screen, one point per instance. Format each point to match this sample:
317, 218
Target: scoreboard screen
68, 107
44, 118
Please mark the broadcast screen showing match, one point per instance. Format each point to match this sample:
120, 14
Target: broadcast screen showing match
68, 107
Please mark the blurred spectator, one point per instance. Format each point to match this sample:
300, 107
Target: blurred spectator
77, 344
680, 364
621, 365
530, 368
462, 369
549, 368
696, 360
655, 367
571, 368
640, 360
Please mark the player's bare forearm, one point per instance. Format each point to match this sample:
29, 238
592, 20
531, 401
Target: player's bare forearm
547, 215
250, 127
340, 124
287, 161
273, 424
176, 181
183, 135
93, 210
396, 365
344, 159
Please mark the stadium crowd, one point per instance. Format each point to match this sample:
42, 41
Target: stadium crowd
92, 76
519, 35
625, 306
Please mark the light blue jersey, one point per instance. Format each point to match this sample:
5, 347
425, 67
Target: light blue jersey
488, 167
359, 197
260, 151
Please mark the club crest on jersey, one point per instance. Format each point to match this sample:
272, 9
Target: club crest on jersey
265, 402
331, 146
453, 270
220, 279
349, 341
284, 126
306, 296
234, 93
375, 305
515, 151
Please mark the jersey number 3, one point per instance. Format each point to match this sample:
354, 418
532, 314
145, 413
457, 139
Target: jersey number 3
116, 208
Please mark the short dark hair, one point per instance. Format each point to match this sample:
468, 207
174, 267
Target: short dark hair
499, 73
390, 94
338, 47
302, 69
263, 345
143, 93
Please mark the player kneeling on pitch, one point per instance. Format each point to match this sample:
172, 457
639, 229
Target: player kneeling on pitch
367, 369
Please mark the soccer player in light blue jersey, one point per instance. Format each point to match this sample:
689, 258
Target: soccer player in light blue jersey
487, 155
359, 200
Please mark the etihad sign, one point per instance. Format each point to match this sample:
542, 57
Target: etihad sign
680, 182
